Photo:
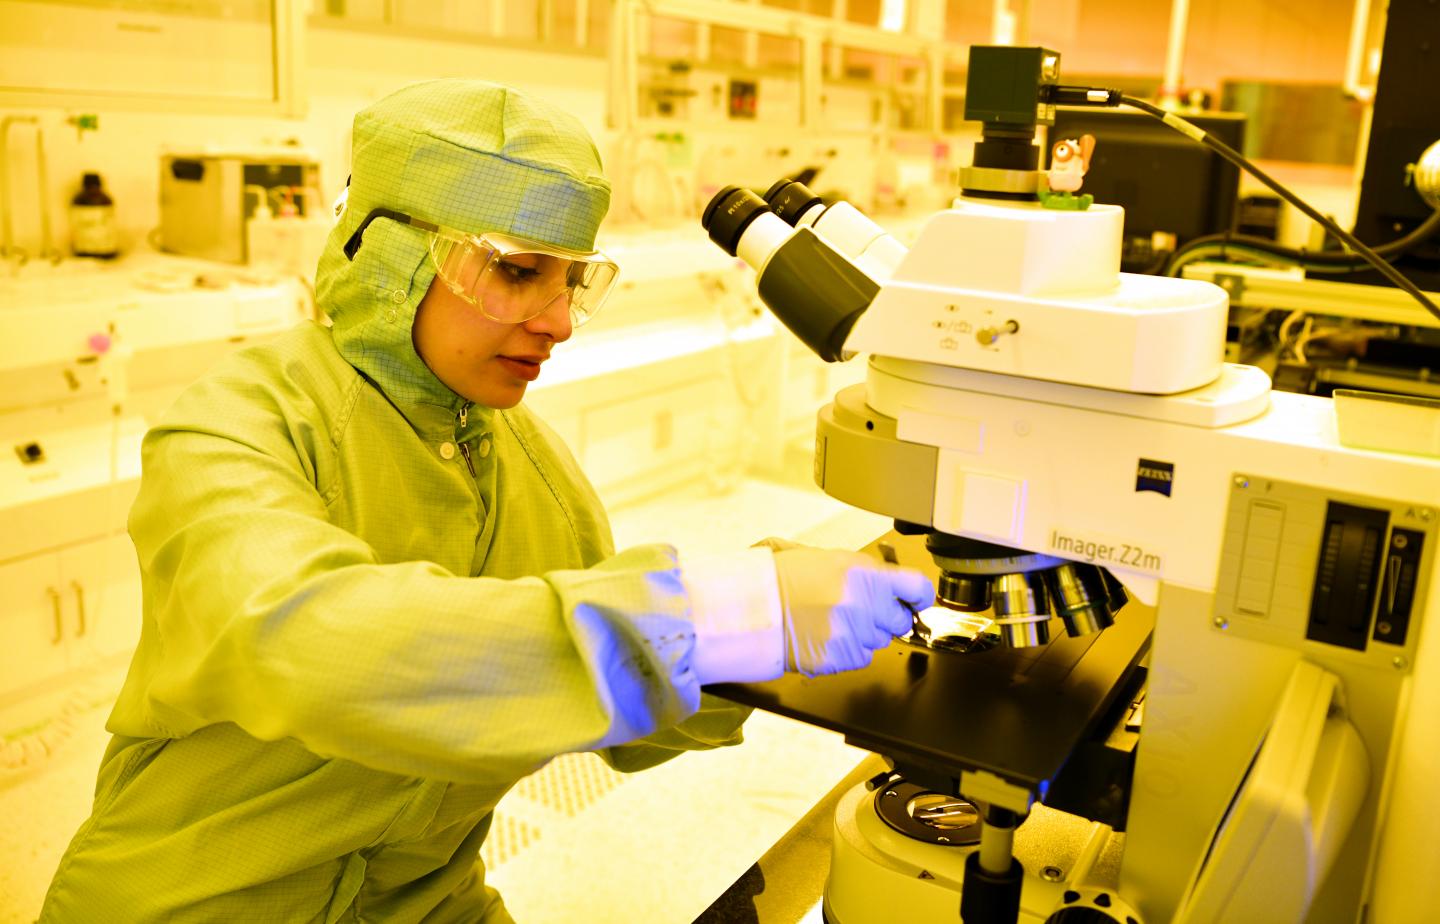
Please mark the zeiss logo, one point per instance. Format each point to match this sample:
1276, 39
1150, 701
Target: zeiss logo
1154, 476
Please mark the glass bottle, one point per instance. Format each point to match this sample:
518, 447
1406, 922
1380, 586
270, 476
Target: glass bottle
92, 221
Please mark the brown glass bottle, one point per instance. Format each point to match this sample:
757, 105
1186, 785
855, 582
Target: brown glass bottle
92, 220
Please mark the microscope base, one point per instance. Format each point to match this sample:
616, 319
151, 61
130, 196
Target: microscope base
878, 875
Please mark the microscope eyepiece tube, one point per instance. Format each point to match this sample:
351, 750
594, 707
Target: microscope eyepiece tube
743, 225
793, 201
845, 227
729, 213
862, 240
850, 229
762, 239
814, 290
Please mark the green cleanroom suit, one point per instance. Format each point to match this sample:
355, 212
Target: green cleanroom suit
357, 638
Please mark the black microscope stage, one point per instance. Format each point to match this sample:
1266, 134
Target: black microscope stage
1018, 713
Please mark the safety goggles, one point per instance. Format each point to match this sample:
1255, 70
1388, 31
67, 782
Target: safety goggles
510, 279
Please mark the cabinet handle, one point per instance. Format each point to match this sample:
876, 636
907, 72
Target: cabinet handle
79, 605
59, 620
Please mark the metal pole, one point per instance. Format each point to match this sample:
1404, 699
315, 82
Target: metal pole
1175, 51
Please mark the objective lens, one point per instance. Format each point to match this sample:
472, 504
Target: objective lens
1021, 609
1080, 598
1115, 591
969, 593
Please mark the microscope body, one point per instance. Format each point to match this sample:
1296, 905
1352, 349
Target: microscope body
1069, 438
1278, 711
1281, 638
1023, 392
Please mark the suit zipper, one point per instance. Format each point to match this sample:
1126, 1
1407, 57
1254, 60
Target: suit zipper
464, 417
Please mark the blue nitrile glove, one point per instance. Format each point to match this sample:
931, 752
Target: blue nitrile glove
839, 607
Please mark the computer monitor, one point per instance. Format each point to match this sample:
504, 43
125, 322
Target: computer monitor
1405, 121
1167, 183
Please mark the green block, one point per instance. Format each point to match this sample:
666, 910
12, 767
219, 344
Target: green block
1064, 201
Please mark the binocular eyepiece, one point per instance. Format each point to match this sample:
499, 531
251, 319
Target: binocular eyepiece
811, 286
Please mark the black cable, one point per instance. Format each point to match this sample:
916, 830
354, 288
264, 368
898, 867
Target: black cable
1325, 260
1345, 237
1175, 263
1154, 269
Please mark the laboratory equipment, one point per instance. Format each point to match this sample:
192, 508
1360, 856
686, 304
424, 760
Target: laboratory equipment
284, 241
1333, 320
1246, 739
207, 198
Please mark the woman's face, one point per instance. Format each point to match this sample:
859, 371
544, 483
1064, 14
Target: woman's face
484, 361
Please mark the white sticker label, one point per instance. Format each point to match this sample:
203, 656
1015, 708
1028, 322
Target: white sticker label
92, 229
1106, 551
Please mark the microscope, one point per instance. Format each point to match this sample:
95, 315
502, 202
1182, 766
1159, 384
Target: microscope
1180, 669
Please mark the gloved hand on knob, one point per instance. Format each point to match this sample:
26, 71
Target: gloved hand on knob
840, 607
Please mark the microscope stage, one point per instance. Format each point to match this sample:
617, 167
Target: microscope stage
1017, 713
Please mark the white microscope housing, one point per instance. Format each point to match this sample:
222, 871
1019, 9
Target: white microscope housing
1025, 393
982, 273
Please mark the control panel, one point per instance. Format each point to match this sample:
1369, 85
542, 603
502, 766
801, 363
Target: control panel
1303, 565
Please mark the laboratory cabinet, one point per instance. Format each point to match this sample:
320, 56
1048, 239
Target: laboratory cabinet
69, 579
655, 409
65, 611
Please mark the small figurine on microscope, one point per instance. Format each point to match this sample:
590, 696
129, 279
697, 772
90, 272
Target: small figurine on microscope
1069, 160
